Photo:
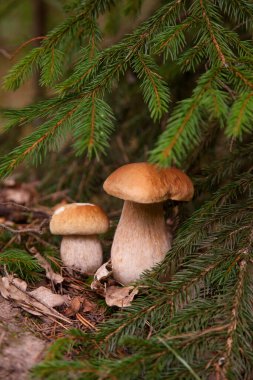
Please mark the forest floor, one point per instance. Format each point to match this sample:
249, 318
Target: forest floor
40, 304
20, 346
30, 322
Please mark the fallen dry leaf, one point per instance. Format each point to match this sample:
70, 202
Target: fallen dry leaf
102, 274
27, 301
21, 284
104, 271
121, 297
4, 288
98, 287
22, 194
74, 307
47, 297
89, 306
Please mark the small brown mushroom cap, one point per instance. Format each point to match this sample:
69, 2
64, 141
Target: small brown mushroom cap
147, 183
79, 219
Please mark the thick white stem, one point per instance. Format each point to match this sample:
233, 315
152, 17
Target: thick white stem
82, 253
141, 240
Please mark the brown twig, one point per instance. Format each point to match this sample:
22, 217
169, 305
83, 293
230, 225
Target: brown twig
85, 322
23, 231
27, 43
5, 53
197, 334
212, 35
42, 241
25, 209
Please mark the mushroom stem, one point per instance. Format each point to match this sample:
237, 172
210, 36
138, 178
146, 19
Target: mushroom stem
141, 240
82, 253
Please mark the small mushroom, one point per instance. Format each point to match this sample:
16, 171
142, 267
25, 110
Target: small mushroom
141, 239
80, 223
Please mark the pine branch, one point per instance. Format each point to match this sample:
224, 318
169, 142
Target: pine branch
133, 7
92, 126
56, 40
185, 123
51, 66
241, 114
155, 91
114, 59
36, 144
172, 40
42, 110
238, 315
199, 225
239, 11
21, 263
241, 78
236, 162
206, 13
23, 69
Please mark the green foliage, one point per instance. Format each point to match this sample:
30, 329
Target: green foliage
23, 69
241, 114
92, 126
155, 91
200, 321
36, 145
201, 37
193, 62
21, 263
51, 66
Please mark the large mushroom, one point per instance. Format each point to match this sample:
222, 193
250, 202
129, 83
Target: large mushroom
79, 223
141, 239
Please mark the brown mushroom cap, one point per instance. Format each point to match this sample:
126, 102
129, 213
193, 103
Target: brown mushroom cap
79, 219
146, 183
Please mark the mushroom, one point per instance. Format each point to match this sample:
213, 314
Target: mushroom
80, 223
141, 239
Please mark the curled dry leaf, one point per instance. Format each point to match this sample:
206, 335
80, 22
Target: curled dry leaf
4, 288
21, 284
89, 306
121, 297
101, 275
104, 271
74, 307
98, 287
48, 298
27, 301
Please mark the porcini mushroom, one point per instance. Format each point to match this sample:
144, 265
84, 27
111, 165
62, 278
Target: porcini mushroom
80, 223
141, 239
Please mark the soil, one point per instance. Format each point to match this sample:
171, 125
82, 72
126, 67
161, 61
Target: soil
20, 348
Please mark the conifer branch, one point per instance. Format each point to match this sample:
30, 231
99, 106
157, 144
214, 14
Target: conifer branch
242, 75
240, 11
184, 125
240, 119
21, 263
212, 34
38, 38
234, 314
155, 91
236, 306
92, 126
34, 143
